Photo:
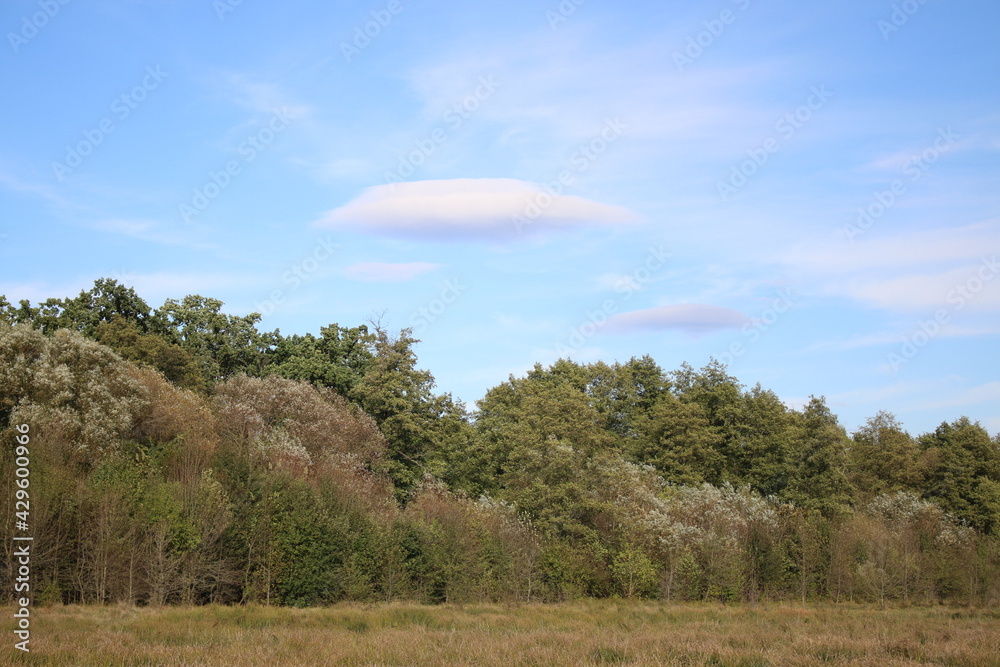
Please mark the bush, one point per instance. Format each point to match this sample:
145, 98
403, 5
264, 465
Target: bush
295, 425
79, 397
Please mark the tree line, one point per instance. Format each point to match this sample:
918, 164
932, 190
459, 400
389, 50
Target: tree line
182, 455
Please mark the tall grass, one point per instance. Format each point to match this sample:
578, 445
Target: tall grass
580, 633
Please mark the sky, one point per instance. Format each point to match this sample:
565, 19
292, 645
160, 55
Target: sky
807, 192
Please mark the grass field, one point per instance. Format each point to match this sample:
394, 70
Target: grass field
581, 633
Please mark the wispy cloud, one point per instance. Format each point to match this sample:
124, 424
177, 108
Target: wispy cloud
468, 209
912, 248
695, 319
17, 184
985, 393
386, 272
953, 289
944, 267
947, 330
259, 96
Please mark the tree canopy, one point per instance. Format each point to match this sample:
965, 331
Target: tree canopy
180, 454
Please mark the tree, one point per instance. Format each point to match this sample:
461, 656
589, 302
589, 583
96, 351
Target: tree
624, 394
399, 397
884, 457
721, 400
548, 404
762, 452
337, 359
679, 442
224, 344
79, 397
962, 466
106, 300
820, 450
177, 364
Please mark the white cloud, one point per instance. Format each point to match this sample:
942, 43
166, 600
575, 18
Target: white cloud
986, 393
259, 96
970, 286
948, 330
17, 184
919, 271
385, 272
467, 208
880, 395
128, 227
875, 251
693, 318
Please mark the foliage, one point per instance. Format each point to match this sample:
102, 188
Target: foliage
181, 455
78, 396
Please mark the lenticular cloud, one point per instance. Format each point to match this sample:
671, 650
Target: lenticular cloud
470, 208
692, 318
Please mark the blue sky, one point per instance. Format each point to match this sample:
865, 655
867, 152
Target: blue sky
806, 191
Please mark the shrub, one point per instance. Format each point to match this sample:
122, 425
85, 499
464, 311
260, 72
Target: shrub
79, 397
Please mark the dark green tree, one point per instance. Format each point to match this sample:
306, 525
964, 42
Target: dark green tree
337, 359
177, 364
225, 344
820, 451
417, 424
762, 450
884, 458
678, 440
962, 465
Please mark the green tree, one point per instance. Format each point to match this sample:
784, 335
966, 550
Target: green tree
525, 412
721, 400
624, 394
127, 339
416, 423
762, 451
635, 574
106, 300
884, 457
679, 442
103, 303
337, 359
820, 450
962, 466
224, 344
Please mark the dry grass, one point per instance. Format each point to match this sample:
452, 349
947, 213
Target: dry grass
582, 633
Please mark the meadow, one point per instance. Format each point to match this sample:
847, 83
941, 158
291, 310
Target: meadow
591, 632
